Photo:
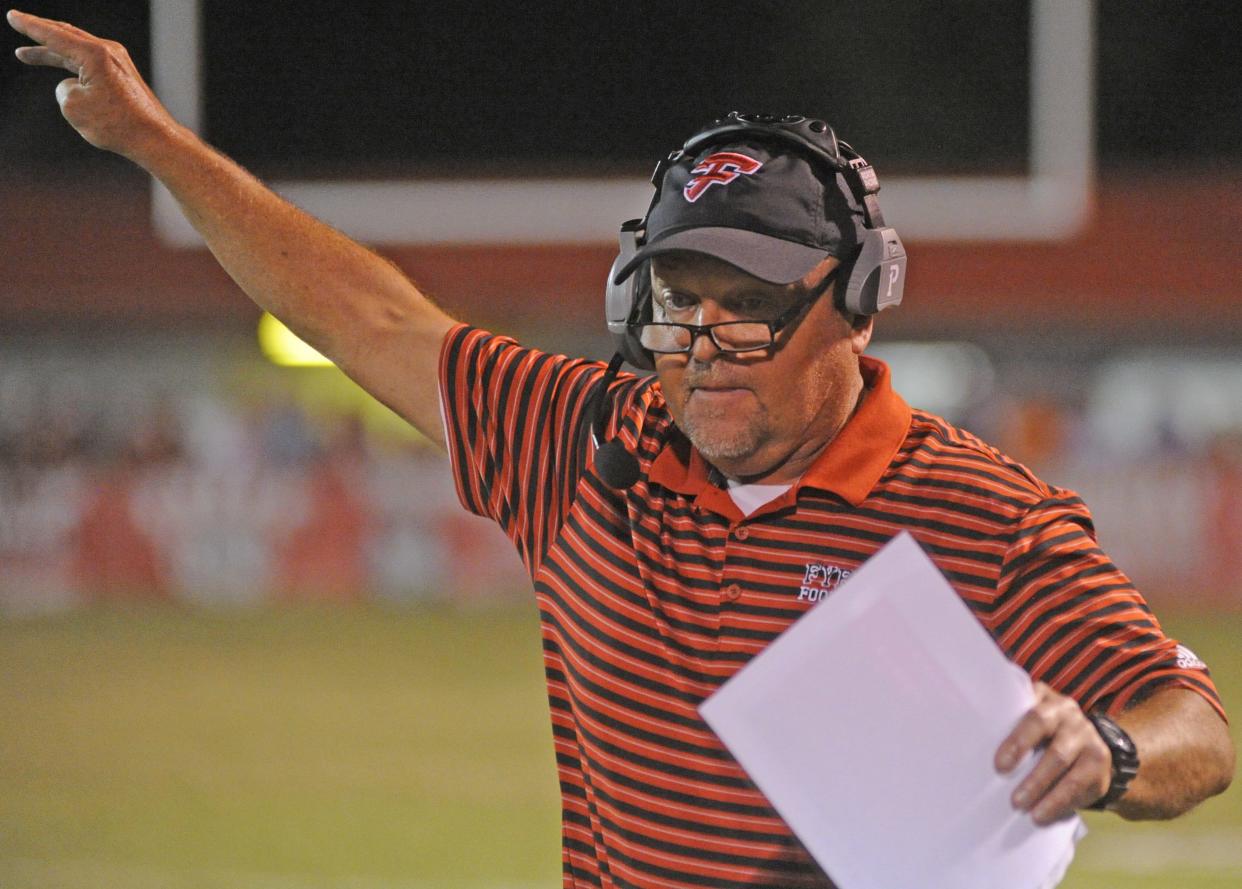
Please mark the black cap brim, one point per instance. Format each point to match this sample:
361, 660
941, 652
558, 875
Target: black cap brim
770, 259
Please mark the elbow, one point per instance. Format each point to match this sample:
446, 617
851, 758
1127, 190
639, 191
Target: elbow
391, 316
1228, 763
1181, 779
1219, 762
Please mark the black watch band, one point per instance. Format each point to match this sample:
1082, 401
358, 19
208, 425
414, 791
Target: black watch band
1125, 759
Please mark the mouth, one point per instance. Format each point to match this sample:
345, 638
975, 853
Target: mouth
716, 385
718, 394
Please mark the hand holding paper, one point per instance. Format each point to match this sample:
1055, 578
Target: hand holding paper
873, 724
1074, 768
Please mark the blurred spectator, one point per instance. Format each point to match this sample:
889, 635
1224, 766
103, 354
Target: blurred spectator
284, 433
325, 556
1224, 516
156, 438
113, 557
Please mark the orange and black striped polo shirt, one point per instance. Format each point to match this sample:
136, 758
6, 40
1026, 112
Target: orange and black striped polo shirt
651, 598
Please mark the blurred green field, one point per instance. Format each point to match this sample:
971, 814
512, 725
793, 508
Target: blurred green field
359, 749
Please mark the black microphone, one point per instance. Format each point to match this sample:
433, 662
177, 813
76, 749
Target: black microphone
615, 465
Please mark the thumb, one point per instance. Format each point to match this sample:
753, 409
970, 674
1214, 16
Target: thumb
65, 90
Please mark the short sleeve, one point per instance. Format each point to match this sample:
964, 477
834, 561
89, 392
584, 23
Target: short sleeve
1072, 619
516, 421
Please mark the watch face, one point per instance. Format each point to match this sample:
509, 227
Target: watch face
1114, 735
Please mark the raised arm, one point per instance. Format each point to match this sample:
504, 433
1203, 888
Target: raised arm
345, 300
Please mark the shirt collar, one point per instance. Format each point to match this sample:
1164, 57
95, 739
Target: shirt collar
851, 464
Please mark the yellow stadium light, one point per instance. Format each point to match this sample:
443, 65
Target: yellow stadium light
282, 346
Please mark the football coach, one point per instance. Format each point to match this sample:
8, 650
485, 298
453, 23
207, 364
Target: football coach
674, 524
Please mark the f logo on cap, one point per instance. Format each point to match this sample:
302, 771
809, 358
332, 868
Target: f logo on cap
720, 168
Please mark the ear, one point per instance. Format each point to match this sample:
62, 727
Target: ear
861, 327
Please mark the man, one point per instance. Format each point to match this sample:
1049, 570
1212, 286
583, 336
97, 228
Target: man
769, 459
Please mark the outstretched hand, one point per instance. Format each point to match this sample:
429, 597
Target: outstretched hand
1074, 768
106, 100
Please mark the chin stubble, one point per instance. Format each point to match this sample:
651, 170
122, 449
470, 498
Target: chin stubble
716, 438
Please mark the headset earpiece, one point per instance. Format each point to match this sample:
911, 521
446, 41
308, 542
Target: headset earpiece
877, 275
625, 303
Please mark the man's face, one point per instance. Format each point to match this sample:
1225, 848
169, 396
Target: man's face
762, 415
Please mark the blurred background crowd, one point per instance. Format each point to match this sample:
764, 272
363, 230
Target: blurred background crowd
184, 468
220, 495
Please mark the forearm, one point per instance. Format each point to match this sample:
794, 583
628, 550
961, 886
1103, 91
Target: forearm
1185, 755
345, 300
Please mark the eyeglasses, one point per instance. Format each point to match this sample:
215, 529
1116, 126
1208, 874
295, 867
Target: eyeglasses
668, 337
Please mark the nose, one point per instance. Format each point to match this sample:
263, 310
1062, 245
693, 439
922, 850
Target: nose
704, 347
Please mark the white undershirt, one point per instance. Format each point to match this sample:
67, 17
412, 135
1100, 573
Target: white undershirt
750, 497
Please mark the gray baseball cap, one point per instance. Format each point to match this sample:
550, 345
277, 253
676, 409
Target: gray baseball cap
764, 208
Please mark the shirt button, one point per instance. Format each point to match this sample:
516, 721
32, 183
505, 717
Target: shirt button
741, 533
733, 592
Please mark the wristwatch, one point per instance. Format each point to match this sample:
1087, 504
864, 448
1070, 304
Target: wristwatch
1125, 759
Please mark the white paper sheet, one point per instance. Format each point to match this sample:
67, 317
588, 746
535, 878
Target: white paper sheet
871, 725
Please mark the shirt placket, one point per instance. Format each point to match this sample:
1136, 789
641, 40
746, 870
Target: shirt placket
743, 543
732, 587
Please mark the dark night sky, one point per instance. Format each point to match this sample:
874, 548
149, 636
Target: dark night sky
330, 86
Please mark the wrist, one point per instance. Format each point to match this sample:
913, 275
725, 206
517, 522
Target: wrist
160, 146
1125, 759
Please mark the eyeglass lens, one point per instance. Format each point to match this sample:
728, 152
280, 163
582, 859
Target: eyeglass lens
730, 336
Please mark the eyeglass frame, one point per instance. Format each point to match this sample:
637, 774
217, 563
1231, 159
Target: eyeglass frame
775, 326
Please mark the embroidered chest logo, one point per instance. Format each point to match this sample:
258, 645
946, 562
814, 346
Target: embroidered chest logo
820, 580
720, 168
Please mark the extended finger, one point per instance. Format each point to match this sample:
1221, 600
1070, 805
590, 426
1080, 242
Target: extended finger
41, 55
61, 38
1085, 782
1055, 762
1033, 729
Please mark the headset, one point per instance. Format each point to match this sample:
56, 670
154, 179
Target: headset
875, 276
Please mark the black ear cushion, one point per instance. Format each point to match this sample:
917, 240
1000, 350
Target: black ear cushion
840, 284
627, 303
852, 283
633, 351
